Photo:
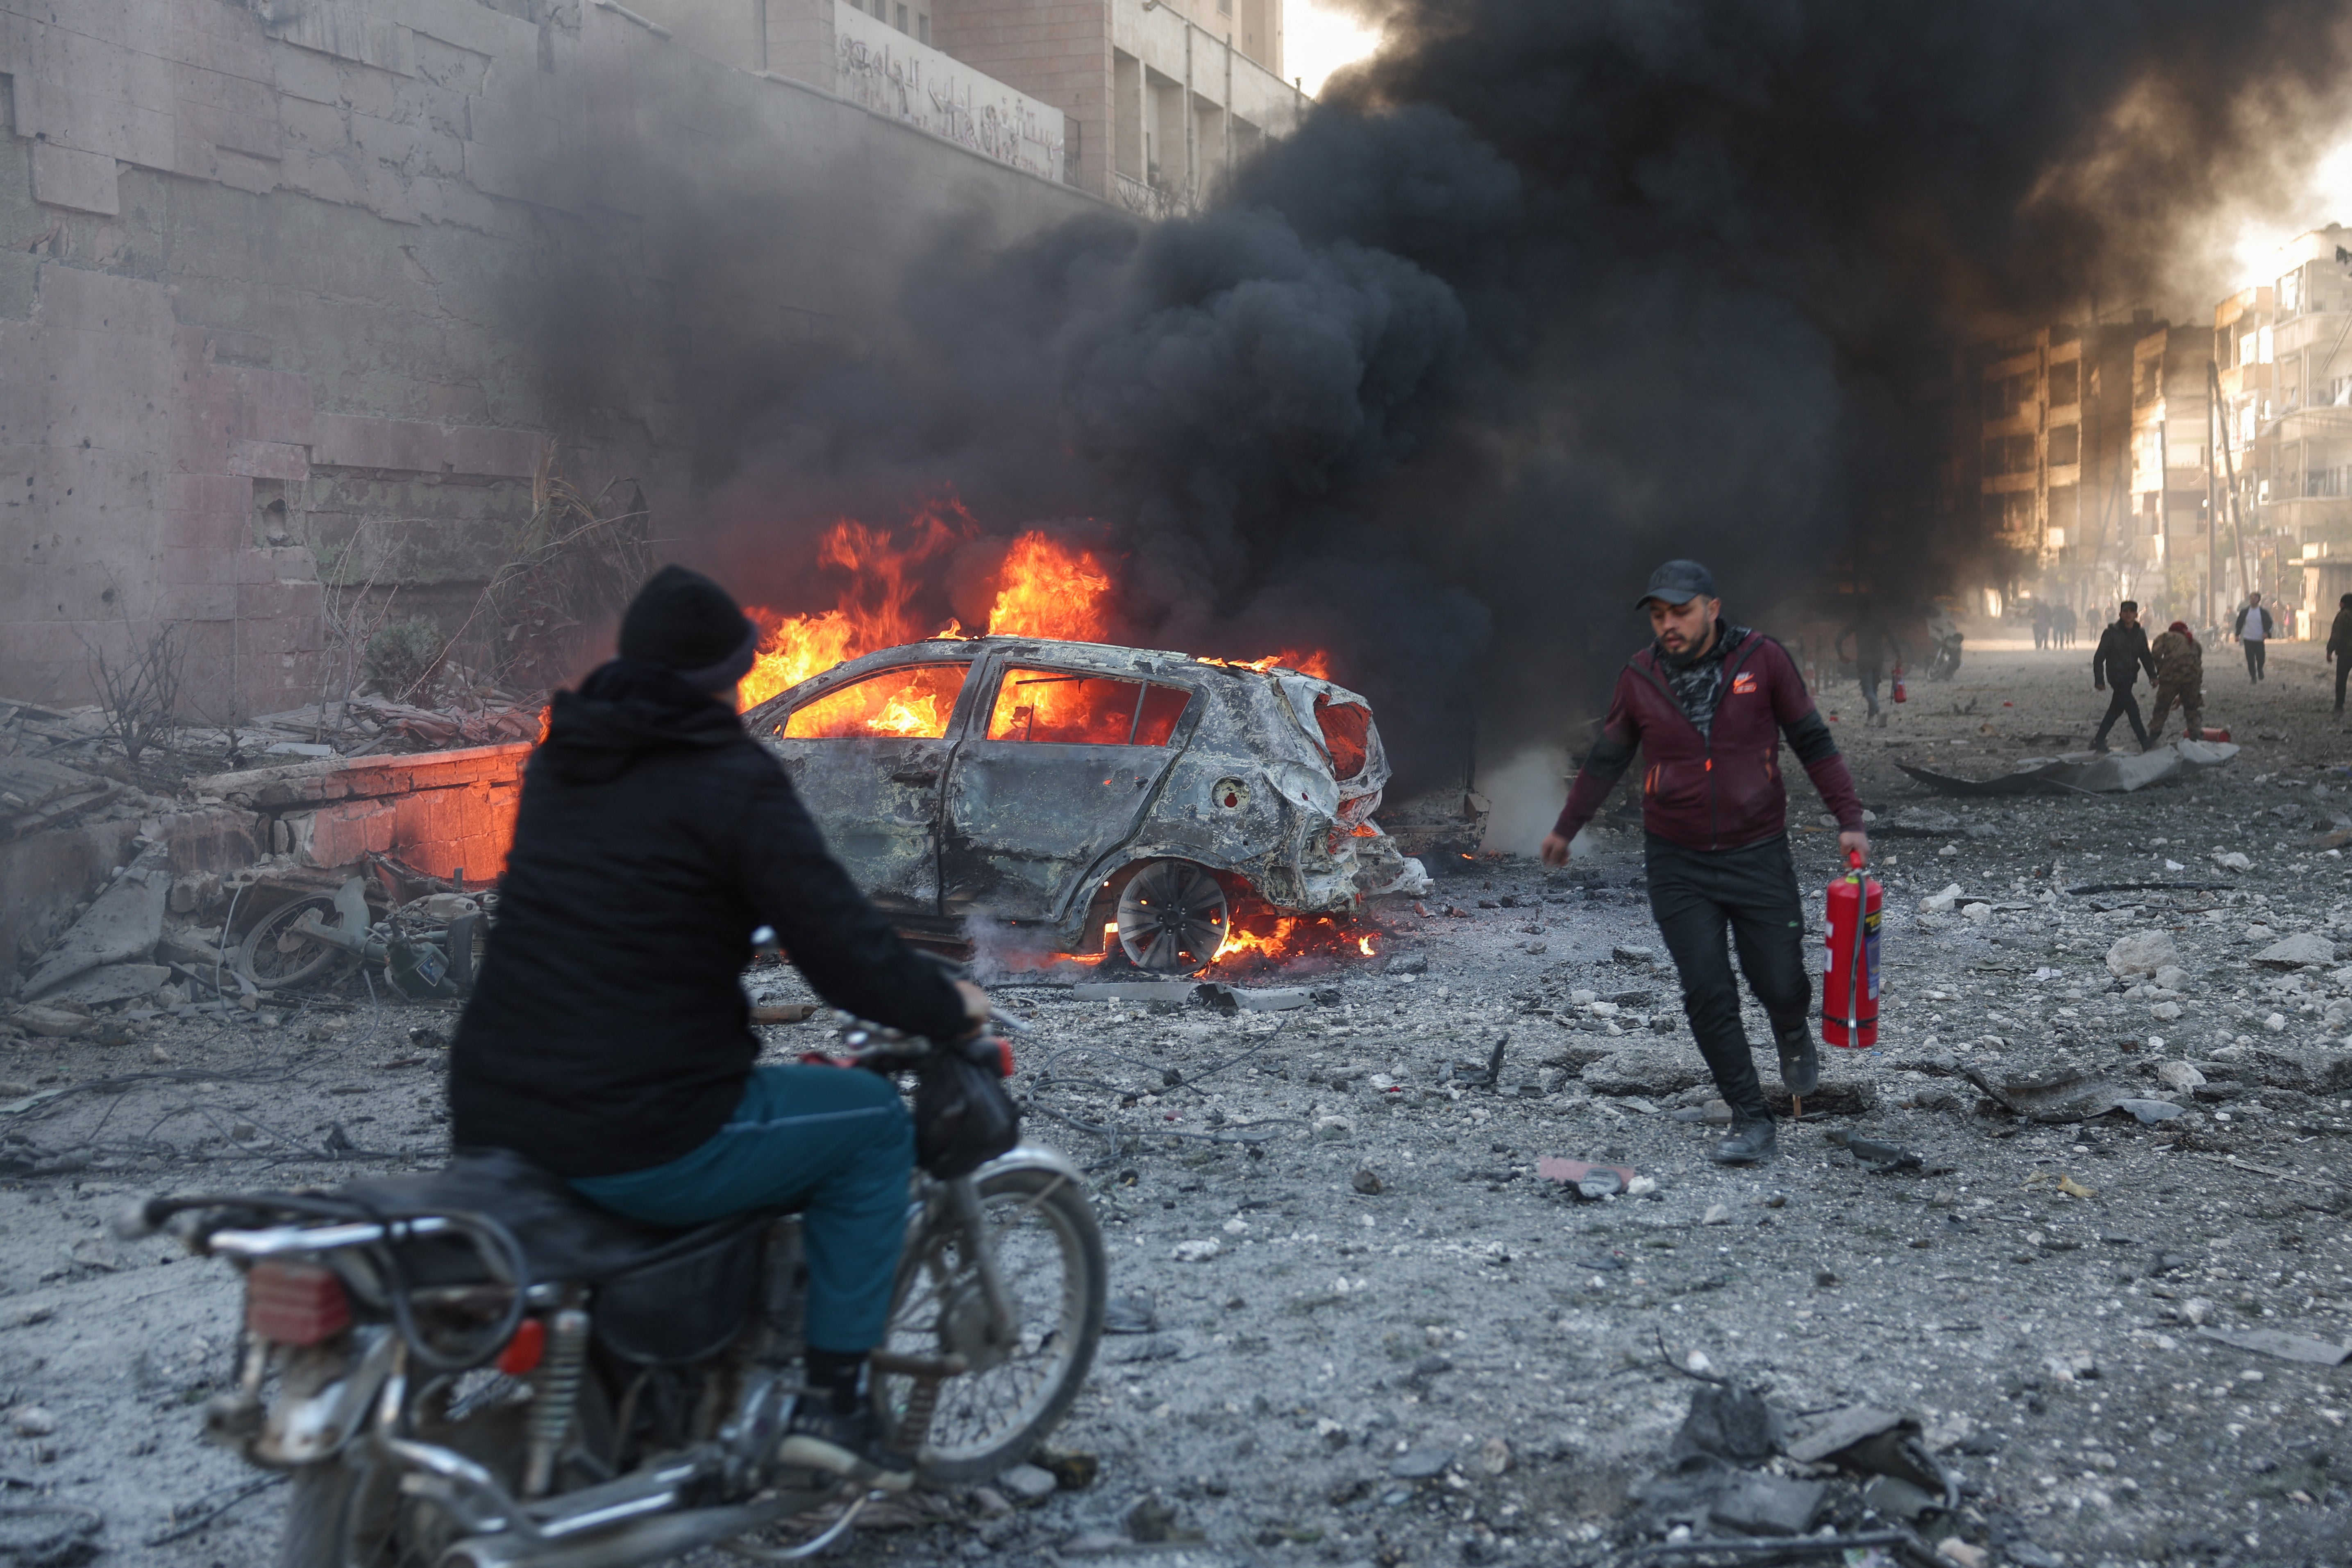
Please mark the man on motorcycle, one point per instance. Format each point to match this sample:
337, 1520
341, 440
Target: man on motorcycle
609, 1038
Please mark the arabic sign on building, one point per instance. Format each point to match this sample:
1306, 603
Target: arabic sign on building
880, 69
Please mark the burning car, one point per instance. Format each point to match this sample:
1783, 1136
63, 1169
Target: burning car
1059, 789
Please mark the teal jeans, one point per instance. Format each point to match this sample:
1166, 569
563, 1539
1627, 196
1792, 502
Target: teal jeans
835, 1143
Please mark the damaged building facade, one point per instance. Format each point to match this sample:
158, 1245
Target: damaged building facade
289, 289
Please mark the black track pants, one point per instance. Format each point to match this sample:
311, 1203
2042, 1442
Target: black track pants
2123, 704
1696, 895
2255, 654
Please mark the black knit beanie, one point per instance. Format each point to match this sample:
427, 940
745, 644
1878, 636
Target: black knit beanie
682, 621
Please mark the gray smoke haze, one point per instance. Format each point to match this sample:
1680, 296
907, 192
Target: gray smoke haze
1542, 294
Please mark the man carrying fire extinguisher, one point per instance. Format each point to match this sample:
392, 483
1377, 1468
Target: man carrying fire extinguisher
1707, 705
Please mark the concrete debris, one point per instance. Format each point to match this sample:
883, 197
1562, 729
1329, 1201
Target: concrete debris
1877, 1156
1420, 1464
2179, 1076
1962, 1553
1727, 1422
111, 983
1027, 1483
2143, 953
2285, 1346
2233, 860
124, 923
2307, 949
1891, 1497
52, 1023
2082, 772
1942, 902
2150, 1112
1769, 1505
1835, 1431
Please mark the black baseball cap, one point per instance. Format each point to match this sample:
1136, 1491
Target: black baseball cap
1679, 582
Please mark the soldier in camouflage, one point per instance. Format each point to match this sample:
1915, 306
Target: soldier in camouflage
2179, 678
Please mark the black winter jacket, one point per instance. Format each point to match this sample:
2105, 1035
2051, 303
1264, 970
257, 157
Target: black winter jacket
609, 1031
2121, 655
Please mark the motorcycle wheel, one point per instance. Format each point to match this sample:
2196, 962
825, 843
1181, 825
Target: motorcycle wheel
1050, 1252
336, 1517
346, 1513
276, 955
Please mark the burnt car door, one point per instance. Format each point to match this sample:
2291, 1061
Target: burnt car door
1057, 767
869, 758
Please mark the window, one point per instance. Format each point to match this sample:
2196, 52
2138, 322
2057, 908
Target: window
2289, 290
1053, 707
902, 18
922, 26
2147, 379
913, 703
2065, 445
2066, 382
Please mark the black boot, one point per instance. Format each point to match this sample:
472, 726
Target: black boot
1801, 1062
1752, 1138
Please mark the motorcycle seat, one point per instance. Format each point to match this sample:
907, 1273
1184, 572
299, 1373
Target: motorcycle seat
564, 1237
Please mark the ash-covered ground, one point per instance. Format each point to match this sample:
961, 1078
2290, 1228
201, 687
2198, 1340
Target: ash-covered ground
1470, 1363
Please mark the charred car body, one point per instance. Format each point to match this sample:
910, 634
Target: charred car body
1058, 788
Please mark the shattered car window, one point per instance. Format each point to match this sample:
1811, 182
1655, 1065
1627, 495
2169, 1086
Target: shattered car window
913, 703
1057, 708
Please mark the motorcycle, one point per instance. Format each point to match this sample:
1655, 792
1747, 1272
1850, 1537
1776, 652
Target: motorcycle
476, 1368
1944, 656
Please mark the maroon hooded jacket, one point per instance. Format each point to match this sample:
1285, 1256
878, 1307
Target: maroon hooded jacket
1720, 790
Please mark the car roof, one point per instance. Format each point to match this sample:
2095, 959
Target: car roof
1110, 658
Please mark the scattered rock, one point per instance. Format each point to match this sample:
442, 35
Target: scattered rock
1628, 953
1494, 1456
2287, 1346
1716, 1215
1366, 1180
2179, 1076
1196, 1251
1961, 1551
1420, 1464
54, 1023
1409, 963
1027, 1483
31, 1421
2232, 862
2305, 950
1940, 903
2142, 953
1979, 913
1769, 1505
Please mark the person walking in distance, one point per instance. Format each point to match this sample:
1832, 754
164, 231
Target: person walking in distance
2179, 678
1707, 704
2061, 626
1871, 640
2339, 647
2255, 628
2042, 626
2116, 662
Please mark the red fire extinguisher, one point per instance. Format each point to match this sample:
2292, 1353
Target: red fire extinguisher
1899, 696
1850, 989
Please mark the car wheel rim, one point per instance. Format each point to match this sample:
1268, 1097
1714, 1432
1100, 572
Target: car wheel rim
1172, 916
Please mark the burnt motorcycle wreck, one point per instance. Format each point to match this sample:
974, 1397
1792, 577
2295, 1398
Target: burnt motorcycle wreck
476, 1368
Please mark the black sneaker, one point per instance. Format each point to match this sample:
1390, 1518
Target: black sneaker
1752, 1138
818, 1437
1801, 1064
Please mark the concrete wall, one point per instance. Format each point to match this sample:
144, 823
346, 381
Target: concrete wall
441, 812
287, 299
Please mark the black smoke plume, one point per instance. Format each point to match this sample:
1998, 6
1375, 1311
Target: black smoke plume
1547, 291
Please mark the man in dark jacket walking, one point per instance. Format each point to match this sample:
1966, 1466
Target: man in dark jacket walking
1707, 705
2339, 647
2255, 628
609, 1038
2116, 662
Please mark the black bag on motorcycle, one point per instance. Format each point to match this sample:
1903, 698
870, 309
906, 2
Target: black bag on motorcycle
963, 1118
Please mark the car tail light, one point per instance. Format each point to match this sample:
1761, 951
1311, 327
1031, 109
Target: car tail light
522, 1351
292, 1303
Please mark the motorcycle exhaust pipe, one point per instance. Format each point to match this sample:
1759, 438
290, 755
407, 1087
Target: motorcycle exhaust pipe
645, 1542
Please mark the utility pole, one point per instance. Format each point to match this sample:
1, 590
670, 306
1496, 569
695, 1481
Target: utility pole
2212, 494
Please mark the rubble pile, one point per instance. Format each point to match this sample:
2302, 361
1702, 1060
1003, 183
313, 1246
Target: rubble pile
1420, 1259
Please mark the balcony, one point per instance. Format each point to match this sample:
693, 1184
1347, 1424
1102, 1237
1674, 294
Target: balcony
1152, 201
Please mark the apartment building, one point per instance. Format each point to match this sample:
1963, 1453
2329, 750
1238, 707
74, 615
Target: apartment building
2050, 430
2286, 376
1146, 103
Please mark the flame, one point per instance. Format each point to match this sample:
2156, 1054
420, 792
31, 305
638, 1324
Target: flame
873, 610
1047, 589
1364, 946
1239, 942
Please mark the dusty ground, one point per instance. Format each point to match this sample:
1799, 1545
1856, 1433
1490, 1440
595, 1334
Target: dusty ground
1469, 1318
